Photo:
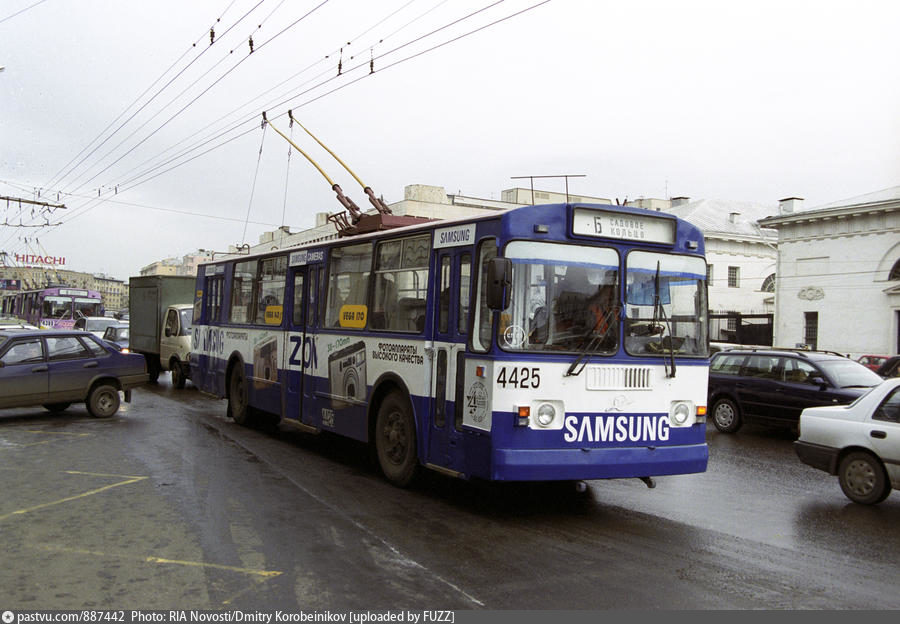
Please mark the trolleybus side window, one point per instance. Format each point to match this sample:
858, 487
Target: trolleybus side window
270, 290
242, 307
297, 319
214, 294
401, 284
348, 285
444, 297
465, 272
481, 327
313, 299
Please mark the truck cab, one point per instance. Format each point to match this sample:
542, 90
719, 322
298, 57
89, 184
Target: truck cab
175, 343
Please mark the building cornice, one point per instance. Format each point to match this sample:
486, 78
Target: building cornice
841, 212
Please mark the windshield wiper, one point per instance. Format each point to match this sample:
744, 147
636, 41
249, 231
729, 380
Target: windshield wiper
659, 314
611, 320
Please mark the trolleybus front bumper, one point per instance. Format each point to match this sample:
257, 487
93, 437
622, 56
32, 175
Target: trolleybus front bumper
597, 463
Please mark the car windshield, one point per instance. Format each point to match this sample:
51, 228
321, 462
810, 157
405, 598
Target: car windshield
563, 298
850, 374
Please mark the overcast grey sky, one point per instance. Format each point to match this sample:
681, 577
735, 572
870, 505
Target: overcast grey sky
709, 99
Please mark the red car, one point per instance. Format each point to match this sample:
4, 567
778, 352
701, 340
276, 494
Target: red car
872, 362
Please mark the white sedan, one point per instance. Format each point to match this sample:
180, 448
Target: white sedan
860, 442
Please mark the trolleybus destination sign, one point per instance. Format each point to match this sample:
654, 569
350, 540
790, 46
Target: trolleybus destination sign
602, 224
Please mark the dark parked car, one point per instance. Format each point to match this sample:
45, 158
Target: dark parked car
117, 335
57, 368
774, 386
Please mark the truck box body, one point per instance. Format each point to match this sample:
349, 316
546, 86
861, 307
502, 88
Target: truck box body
149, 297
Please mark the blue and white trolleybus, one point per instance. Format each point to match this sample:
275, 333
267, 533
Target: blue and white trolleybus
554, 342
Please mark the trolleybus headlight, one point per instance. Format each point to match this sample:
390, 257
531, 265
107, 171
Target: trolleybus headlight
546, 414
680, 413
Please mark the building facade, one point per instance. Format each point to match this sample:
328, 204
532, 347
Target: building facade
838, 284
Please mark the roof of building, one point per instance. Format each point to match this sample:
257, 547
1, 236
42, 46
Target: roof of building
876, 197
715, 216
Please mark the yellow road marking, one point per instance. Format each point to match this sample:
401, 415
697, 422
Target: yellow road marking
162, 560
128, 481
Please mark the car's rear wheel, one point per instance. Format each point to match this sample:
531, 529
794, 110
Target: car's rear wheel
726, 415
103, 401
863, 479
56, 407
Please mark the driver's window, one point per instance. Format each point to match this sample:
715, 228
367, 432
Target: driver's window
24, 352
171, 323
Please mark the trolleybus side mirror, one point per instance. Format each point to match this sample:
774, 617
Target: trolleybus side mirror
499, 283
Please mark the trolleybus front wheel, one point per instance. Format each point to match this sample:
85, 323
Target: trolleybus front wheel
395, 440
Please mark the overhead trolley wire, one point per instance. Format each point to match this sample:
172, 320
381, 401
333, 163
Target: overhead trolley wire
206, 90
153, 97
136, 180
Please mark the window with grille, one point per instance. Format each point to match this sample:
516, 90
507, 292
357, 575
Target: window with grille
734, 277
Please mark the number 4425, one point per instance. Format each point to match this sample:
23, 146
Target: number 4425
519, 377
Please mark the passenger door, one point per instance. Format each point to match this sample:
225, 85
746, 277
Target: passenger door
297, 347
453, 267
24, 376
72, 367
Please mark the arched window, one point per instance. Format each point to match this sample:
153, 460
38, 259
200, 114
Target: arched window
768, 284
895, 271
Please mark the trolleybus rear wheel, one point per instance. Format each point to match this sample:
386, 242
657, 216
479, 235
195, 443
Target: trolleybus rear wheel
395, 440
237, 396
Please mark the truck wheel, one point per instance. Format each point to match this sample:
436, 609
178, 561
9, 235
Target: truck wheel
178, 377
395, 440
103, 401
152, 366
238, 399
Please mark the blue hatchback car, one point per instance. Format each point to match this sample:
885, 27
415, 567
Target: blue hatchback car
58, 368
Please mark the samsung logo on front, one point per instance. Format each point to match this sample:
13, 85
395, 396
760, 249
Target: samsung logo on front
617, 429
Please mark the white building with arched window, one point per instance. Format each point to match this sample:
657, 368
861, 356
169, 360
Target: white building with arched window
838, 272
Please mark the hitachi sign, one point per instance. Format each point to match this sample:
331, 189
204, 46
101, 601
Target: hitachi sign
35, 259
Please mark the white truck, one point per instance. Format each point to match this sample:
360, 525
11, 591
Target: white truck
160, 310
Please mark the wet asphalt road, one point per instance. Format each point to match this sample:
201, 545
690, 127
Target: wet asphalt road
169, 505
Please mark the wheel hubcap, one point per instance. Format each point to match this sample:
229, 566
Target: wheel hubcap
724, 415
860, 478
